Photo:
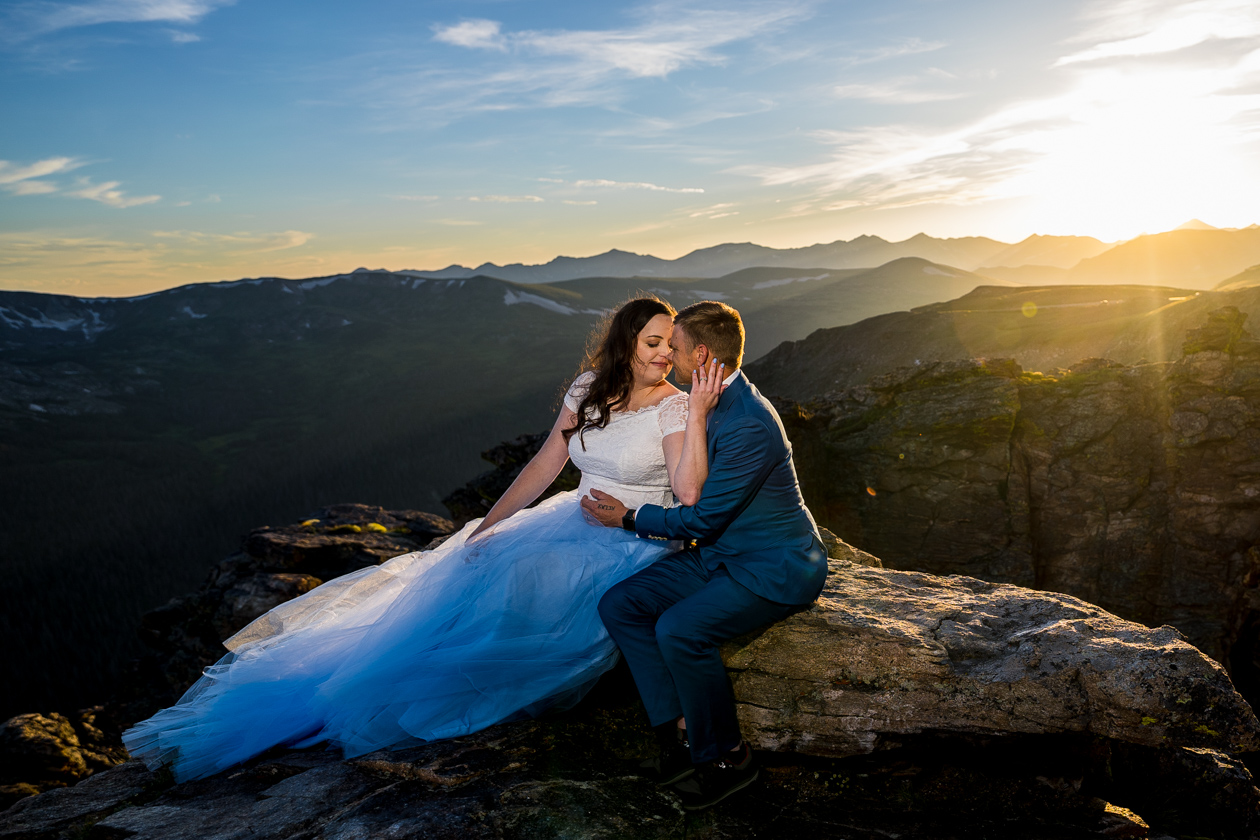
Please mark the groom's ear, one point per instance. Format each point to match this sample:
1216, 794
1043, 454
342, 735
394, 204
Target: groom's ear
702, 355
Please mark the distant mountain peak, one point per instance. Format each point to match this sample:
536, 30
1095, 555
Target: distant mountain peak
1195, 224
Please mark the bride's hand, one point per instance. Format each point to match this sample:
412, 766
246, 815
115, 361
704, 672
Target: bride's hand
706, 389
476, 543
479, 533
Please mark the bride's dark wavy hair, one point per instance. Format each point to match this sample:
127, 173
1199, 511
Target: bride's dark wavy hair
610, 352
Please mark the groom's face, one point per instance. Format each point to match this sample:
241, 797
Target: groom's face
685, 356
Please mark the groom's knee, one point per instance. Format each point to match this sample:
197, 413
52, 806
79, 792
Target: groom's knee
675, 636
613, 607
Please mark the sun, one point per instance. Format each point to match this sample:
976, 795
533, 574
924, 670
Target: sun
1136, 151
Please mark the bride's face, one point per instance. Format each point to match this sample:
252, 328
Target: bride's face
651, 352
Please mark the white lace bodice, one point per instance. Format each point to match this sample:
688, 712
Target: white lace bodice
625, 458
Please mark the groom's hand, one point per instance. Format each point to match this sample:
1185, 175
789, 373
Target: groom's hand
604, 508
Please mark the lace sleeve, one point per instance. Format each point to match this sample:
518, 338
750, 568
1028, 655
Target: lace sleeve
673, 414
578, 391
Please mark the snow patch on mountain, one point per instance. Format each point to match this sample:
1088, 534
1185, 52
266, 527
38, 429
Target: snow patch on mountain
9, 321
315, 284
511, 298
784, 281
225, 285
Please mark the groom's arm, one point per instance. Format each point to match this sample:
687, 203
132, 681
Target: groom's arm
744, 459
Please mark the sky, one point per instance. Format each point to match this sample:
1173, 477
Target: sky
145, 144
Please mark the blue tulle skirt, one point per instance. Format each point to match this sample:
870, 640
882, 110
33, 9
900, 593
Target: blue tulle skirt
428, 645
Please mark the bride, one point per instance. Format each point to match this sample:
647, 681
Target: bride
498, 623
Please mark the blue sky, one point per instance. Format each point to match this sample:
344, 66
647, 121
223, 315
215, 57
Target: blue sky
150, 143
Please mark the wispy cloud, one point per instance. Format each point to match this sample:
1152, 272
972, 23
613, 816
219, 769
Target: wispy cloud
634, 185
108, 194
60, 261
28, 180
901, 90
247, 242
32, 187
32, 18
579, 203
474, 34
36, 250
908, 46
716, 211
569, 67
11, 173
506, 199
1151, 27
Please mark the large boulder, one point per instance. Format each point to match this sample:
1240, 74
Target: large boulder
883, 654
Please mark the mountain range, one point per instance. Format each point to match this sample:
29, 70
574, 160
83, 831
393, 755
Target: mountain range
1190, 258
967, 253
1195, 255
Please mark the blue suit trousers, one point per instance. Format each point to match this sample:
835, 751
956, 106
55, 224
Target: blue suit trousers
669, 621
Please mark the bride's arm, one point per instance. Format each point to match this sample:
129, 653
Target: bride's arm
537, 475
687, 452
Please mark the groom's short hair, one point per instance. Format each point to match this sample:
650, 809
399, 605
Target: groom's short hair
716, 326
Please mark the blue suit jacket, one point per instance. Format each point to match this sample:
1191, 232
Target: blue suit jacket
751, 517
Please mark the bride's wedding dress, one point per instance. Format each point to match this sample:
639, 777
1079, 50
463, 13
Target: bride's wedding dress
434, 644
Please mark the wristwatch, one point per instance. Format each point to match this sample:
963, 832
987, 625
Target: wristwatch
627, 520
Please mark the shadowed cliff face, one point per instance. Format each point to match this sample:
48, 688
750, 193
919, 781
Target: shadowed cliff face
1136, 488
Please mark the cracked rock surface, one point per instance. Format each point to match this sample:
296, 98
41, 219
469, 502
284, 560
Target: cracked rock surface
886, 653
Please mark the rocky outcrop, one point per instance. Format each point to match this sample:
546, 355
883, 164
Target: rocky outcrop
274, 565
43, 751
887, 653
1132, 487
900, 702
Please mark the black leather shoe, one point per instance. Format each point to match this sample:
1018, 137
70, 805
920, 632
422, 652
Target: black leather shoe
673, 764
717, 780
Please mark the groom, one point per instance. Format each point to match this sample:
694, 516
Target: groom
756, 558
